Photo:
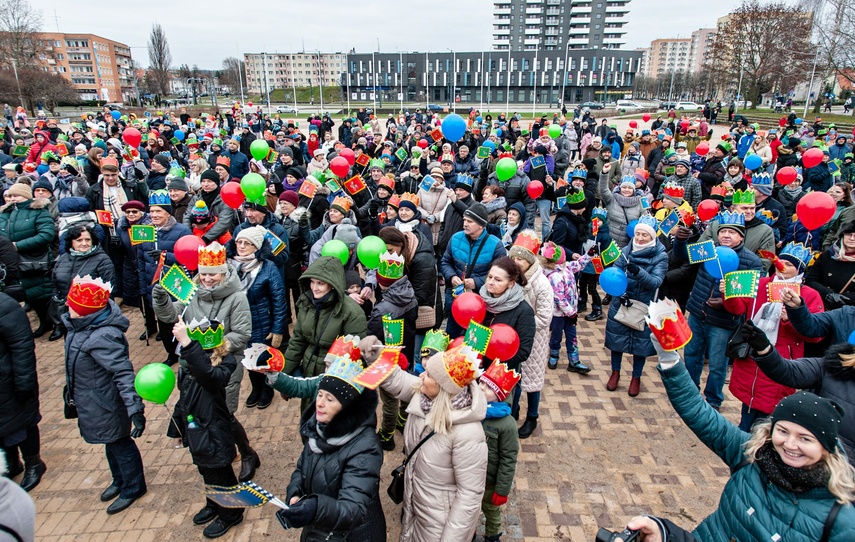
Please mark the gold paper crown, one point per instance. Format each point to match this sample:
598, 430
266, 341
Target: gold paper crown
412, 198
394, 201
719, 190
460, 363
577, 196
743, 197
499, 379
346, 369
668, 324
528, 240
391, 266
88, 295
343, 202
674, 190
213, 255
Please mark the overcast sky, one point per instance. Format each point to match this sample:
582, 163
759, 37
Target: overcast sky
206, 33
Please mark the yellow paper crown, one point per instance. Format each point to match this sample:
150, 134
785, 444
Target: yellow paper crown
460, 364
342, 202
212, 255
414, 199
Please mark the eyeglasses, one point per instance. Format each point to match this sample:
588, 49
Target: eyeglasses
133, 212
242, 243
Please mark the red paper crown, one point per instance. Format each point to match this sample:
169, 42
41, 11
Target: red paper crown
224, 161
347, 345
719, 190
109, 161
212, 255
687, 217
88, 295
499, 379
528, 240
643, 172
460, 364
673, 190
394, 201
506, 155
412, 198
386, 182
669, 325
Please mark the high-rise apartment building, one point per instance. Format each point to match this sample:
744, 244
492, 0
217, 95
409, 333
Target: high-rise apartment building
701, 49
284, 70
678, 54
523, 25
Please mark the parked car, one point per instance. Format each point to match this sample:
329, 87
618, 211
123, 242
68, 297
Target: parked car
668, 105
436, 108
115, 106
593, 105
286, 109
744, 103
690, 106
628, 105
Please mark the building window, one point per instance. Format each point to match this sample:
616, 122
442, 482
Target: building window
599, 15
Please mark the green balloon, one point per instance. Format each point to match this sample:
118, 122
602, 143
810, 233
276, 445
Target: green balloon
336, 249
554, 131
369, 250
506, 168
155, 382
253, 185
259, 149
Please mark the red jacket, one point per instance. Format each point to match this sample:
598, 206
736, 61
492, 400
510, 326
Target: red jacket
774, 145
747, 381
36, 149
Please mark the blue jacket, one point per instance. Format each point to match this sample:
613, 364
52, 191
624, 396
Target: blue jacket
148, 258
706, 287
459, 255
239, 165
271, 224
744, 145
268, 305
795, 517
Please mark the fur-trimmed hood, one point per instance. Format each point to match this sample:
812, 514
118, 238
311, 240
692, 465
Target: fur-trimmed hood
33, 204
834, 365
350, 420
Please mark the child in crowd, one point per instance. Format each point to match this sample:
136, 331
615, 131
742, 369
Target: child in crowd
354, 287
562, 277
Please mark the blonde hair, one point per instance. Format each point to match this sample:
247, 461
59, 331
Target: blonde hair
847, 360
218, 353
841, 480
439, 417
201, 163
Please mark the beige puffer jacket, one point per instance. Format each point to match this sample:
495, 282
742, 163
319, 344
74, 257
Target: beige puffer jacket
445, 479
761, 148
539, 294
432, 203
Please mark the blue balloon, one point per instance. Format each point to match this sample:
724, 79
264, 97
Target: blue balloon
851, 339
453, 127
753, 162
179, 135
499, 132
630, 228
726, 262
799, 121
116, 114
490, 144
478, 119
613, 281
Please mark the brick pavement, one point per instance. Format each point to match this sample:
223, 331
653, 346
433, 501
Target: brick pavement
596, 459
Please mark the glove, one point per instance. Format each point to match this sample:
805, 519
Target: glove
418, 369
632, 269
592, 251
22, 396
304, 219
683, 233
368, 350
430, 219
373, 207
299, 514
664, 357
159, 295
139, 424
837, 299
499, 500
275, 339
754, 336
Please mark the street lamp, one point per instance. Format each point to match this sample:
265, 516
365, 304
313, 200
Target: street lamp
454, 82
15, 68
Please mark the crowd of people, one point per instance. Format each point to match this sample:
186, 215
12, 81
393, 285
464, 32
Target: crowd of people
531, 218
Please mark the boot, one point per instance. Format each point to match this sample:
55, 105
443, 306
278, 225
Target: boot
266, 398
253, 398
553, 359
387, 440
58, 333
613, 381
14, 469
582, 306
43, 328
607, 300
577, 366
402, 421
634, 386
494, 538
596, 314
528, 427
34, 468
248, 463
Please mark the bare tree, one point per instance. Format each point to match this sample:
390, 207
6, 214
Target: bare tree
37, 86
766, 46
231, 73
834, 21
19, 27
159, 59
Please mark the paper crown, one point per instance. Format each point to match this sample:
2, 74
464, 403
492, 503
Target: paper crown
260, 357
460, 364
347, 345
554, 253
798, 252
673, 190
719, 190
466, 180
766, 216
386, 182
648, 220
498, 378
732, 219
743, 197
342, 202
668, 324
391, 266
412, 198
761, 178
346, 369
394, 201
435, 341
49, 155
529, 241
213, 255
579, 173
223, 161
576, 196
641, 172
109, 161
377, 163
687, 217
600, 212
628, 179
448, 157
177, 172
87, 295
159, 198
209, 334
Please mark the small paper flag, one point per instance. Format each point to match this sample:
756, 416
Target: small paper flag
436, 135
483, 152
271, 156
143, 233
477, 337
393, 331
561, 183
741, 284
701, 252
355, 184
376, 373
669, 222
538, 162
597, 262
774, 290
175, 141
333, 186
178, 284
401, 153
20, 150
426, 184
595, 226
363, 160
62, 150
611, 254
158, 271
307, 189
276, 244
105, 218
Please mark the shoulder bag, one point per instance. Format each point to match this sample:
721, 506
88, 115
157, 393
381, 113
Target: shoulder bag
396, 486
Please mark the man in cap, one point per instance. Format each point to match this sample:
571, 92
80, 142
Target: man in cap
180, 195
238, 162
461, 200
714, 168
156, 179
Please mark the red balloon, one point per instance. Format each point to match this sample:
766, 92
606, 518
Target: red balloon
339, 166
456, 342
423, 143
232, 195
468, 306
645, 117
535, 189
787, 175
707, 209
703, 148
348, 155
633, 124
186, 251
815, 209
132, 137
504, 343
812, 157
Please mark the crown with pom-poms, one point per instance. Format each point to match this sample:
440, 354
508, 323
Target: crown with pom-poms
500, 379
435, 341
576, 196
797, 253
673, 190
726, 218
668, 324
347, 370
260, 357
579, 173
744, 197
209, 334
391, 266
213, 255
346, 345
87, 295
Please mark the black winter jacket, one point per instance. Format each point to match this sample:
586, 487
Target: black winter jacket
17, 370
453, 221
521, 318
569, 231
95, 264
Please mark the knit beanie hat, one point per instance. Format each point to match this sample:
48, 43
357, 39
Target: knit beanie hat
177, 183
20, 189
347, 234
254, 235
42, 183
210, 175
820, 416
162, 160
646, 228
478, 213
683, 162
437, 172
200, 213
291, 197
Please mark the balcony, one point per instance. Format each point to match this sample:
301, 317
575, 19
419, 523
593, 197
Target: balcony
534, 20
502, 11
501, 2
580, 20
532, 31
552, 42
552, 21
553, 11
534, 11
580, 30
617, 9
501, 31
530, 2
551, 32
532, 41
578, 40
554, 2
580, 10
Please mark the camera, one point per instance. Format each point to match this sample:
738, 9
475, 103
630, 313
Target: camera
627, 535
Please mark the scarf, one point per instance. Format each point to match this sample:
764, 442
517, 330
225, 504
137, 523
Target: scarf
507, 238
113, 203
247, 268
623, 201
210, 197
505, 302
78, 254
407, 227
793, 190
768, 316
790, 478
319, 444
636, 247
496, 204
459, 402
839, 253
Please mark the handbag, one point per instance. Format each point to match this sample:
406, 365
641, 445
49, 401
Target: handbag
69, 409
396, 486
632, 314
426, 318
34, 263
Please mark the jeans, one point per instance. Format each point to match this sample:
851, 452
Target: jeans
532, 397
417, 354
707, 341
126, 466
637, 363
750, 416
545, 208
565, 325
221, 476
